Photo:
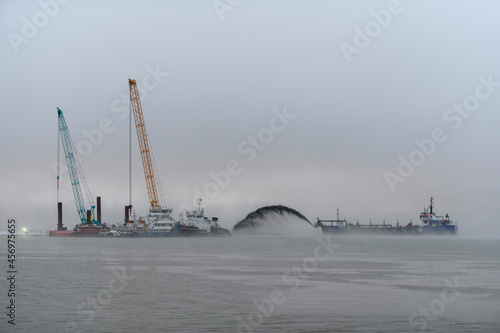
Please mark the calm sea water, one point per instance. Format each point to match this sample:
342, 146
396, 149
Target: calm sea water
255, 283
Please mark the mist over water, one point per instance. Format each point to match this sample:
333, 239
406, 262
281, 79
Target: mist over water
225, 284
274, 219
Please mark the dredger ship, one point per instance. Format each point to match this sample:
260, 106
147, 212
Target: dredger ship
159, 223
429, 223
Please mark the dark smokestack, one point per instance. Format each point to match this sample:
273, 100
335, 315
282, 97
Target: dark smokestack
89, 217
59, 217
99, 209
127, 208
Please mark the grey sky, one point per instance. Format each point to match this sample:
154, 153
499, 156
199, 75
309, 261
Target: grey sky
353, 119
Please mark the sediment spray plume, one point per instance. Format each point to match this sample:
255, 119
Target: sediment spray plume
255, 219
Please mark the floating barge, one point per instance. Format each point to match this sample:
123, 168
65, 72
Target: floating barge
60, 233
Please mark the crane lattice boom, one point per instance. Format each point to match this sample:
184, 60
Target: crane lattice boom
144, 146
72, 167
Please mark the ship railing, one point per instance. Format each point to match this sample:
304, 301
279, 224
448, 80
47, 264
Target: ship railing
371, 225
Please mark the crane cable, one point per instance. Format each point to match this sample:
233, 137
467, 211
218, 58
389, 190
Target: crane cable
58, 160
82, 175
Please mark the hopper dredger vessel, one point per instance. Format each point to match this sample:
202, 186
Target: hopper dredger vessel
429, 223
159, 223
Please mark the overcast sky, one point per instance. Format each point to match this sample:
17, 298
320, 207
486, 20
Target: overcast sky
316, 103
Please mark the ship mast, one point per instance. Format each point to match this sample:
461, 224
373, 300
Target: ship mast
200, 200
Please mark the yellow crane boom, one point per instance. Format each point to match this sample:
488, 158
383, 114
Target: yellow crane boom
144, 146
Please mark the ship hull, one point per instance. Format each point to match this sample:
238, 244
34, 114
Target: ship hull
60, 233
190, 231
435, 229
220, 232
177, 230
371, 230
440, 229
327, 229
126, 232
87, 231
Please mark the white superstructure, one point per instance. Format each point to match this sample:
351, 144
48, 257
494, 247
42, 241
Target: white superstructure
197, 219
429, 218
159, 219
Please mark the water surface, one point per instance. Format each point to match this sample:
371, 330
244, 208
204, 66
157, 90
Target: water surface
256, 283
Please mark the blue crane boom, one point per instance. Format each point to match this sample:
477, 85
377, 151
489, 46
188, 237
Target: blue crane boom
72, 168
